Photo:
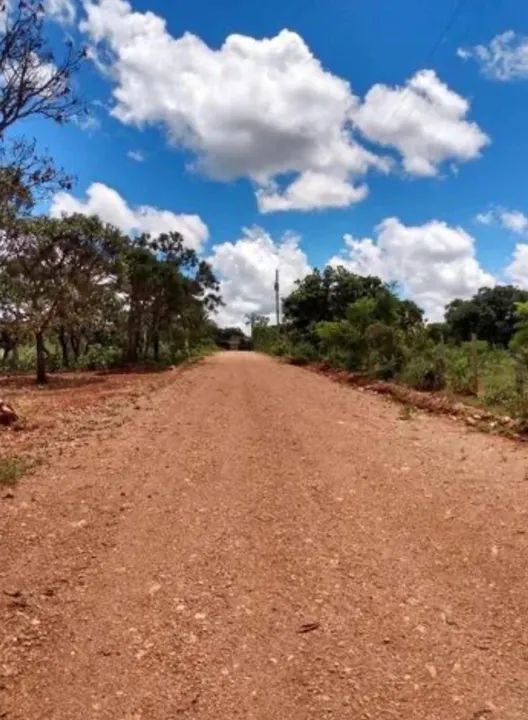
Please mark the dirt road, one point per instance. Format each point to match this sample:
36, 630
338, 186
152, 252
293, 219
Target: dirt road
258, 542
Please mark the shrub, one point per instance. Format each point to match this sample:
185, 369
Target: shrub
303, 353
280, 347
12, 469
423, 372
460, 378
498, 379
98, 357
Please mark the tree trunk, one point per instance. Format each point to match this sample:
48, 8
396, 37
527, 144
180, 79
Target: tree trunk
156, 346
133, 333
75, 341
42, 378
63, 340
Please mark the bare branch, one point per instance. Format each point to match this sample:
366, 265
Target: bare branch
32, 80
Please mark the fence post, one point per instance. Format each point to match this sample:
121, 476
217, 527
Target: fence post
474, 364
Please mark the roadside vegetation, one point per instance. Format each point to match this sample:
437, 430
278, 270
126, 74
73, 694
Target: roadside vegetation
13, 468
360, 324
75, 293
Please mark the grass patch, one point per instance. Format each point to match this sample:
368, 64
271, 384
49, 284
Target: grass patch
12, 469
406, 413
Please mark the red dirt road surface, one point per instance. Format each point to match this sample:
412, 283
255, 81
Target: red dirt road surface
256, 542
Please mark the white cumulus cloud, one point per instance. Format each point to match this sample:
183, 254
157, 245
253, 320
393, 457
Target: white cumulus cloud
485, 218
432, 263
246, 268
62, 11
108, 204
424, 120
266, 109
517, 270
513, 220
253, 108
504, 58
136, 155
311, 191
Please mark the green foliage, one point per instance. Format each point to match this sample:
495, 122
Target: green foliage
360, 324
490, 314
266, 337
12, 469
99, 357
417, 372
372, 335
424, 366
89, 297
385, 349
303, 353
460, 371
325, 296
499, 382
519, 340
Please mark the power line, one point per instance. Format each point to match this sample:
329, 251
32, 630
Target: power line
447, 29
430, 55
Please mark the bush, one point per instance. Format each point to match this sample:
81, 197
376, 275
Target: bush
337, 357
280, 347
98, 357
266, 338
12, 469
460, 379
498, 379
303, 353
423, 372
24, 361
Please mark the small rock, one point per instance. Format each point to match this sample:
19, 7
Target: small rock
431, 670
80, 523
8, 415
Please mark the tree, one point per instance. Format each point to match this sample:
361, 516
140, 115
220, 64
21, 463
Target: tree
256, 321
53, 268
520, 339
325, 297
490, 313
168, 288
372, 334
34, 82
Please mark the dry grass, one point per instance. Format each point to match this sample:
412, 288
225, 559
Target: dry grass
12, 469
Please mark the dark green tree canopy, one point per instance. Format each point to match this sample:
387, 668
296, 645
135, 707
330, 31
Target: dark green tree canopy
490, 313
326, 295
77, 278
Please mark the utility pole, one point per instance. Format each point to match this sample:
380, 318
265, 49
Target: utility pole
277, 300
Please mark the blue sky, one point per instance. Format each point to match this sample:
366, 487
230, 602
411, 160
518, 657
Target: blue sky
390, 136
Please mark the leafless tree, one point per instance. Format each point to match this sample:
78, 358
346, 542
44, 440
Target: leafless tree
33, 81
